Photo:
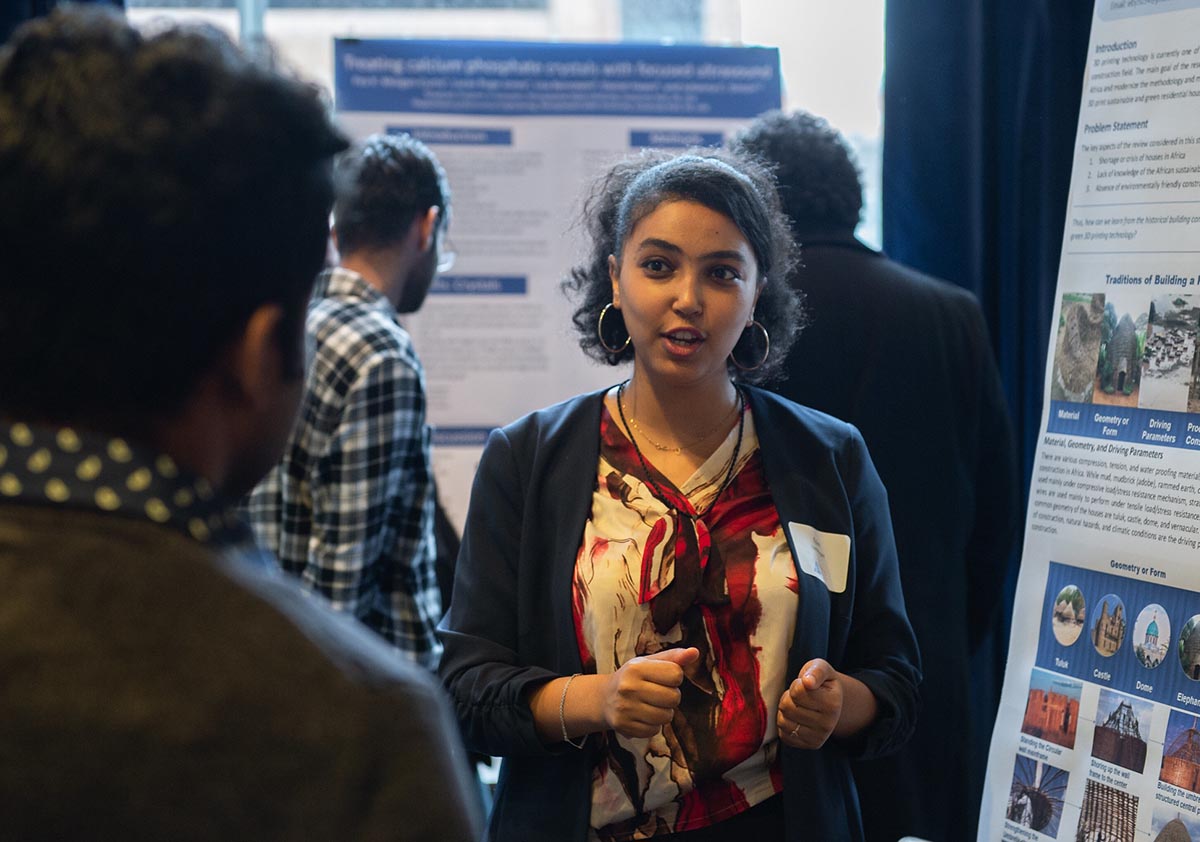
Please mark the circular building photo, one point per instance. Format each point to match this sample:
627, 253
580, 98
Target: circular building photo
1108, 632
1152, 635
1067, 617
1189, 648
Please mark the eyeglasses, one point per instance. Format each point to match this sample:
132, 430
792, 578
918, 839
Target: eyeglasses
447, 255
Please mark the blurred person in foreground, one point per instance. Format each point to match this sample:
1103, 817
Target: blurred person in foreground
349, 510
166, 213
906, 359
676, 613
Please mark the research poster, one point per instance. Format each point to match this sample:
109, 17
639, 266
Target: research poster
522, 130
1098, 736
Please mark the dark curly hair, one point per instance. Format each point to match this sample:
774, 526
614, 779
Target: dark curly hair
161, 186
381, 186
729, 184
818, 180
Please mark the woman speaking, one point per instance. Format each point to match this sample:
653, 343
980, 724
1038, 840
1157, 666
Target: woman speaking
676, 612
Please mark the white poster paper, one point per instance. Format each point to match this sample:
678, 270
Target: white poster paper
1098, 735
522, 130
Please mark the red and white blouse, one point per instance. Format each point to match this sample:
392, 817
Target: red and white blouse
651, 575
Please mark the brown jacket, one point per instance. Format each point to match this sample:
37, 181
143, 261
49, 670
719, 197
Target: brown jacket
151, 688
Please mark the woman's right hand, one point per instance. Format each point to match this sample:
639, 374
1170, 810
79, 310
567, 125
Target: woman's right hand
641, 697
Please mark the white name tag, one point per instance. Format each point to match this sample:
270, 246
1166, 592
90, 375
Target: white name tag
823, 555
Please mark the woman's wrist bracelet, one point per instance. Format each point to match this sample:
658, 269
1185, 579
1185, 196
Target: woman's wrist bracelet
562, 717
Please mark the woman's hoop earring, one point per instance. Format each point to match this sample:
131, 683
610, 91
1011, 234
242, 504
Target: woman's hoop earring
600, 332
766, 338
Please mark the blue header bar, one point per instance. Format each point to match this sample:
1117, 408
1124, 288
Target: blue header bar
1157, 427
1158, 675
480, 285
456, 135
539, 79
673, 139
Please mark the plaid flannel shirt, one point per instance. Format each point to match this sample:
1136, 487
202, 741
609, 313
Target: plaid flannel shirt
350, 509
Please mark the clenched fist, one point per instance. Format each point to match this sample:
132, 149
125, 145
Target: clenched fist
811, 706
641, 696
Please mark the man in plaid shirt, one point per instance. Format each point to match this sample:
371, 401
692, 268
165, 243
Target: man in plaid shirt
350, 509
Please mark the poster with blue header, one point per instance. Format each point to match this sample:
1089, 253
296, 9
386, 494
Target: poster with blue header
523, 129
1098, 733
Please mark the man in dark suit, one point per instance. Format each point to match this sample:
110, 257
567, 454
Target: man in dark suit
905, 357
166, 211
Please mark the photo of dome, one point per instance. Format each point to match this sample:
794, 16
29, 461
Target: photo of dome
1152, 635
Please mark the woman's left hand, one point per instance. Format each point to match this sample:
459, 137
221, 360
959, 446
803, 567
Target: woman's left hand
811, 706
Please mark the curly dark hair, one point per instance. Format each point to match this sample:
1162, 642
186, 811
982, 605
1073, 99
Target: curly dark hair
381, 186
729, 184
161, 187
819, 182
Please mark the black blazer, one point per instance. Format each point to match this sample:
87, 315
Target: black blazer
510, 626
905, 358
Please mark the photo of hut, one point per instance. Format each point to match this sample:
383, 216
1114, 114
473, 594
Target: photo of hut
1068, 615
1181, 752
1194, 390
1122, 725
1052, 708
1122, 344
1108, 814
1171, 825
1077, 347
1035, 799
1169, 358
1152, 635
1108, 632
1189, 648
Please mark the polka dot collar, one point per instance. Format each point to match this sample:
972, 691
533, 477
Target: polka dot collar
63, 467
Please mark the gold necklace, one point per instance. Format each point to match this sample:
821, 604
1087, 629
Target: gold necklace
658, 490
665, 447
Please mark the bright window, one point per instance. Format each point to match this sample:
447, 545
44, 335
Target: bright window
832, 53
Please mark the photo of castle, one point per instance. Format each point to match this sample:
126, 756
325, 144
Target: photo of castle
1122, 724
1052, 708
1109, 630
1068, 616
1152, 635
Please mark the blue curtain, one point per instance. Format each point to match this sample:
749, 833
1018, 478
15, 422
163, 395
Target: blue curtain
981, 104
